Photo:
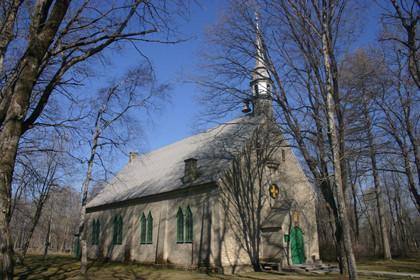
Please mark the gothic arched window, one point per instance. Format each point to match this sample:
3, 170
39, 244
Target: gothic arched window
180, 226
149, 234
188, 225
117, 231
142, 229
96, 227
256, 89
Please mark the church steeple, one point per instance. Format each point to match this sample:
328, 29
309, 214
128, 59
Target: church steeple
261, 83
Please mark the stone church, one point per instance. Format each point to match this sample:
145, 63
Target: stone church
219, 199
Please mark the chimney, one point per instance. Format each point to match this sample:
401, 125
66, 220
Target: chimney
132, 156
190, 170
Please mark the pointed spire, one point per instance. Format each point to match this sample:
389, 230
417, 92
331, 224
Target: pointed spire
260, 70
261, 84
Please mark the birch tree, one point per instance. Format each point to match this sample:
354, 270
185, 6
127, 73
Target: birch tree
136, 90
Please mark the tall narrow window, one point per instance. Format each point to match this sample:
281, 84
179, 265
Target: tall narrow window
180, 226
114, 230
142, 229
149, 235
97, 232
117, 232
188, 226
94, 232
120, 230
256, 89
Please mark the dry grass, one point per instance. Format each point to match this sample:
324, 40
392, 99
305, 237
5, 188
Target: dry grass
397, 265
66, 267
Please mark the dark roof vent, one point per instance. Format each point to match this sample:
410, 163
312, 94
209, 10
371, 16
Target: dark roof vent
190, 171
132, 156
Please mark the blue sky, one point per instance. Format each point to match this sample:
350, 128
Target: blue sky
176, 63
173, 64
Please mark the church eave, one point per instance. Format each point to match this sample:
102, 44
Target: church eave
190, 189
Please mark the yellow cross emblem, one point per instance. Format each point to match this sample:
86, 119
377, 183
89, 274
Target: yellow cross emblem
274, 191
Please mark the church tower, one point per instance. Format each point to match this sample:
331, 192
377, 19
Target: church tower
261, 83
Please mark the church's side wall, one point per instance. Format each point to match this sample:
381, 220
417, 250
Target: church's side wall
164, 248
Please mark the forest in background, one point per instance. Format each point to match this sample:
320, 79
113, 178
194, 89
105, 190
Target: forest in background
351, 114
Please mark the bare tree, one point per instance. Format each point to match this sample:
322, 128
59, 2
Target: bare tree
245, 183
362, 77
41, 185
404, 15
300, 53
136, 90
400, 106
42, 46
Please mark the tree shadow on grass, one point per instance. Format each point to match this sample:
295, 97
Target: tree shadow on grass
54, 267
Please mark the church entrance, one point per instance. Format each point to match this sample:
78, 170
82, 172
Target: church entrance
297, 245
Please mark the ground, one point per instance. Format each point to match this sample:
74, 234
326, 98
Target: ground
398, 265
66, 267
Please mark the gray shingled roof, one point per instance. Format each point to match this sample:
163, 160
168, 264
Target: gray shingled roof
161, 170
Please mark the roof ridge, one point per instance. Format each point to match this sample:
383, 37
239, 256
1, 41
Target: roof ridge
142, 156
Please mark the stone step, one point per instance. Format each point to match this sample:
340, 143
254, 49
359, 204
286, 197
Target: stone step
311, 268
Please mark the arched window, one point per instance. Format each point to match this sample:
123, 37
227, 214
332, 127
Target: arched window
117, 232
180, 226
142, 229
95, 232
268, 89
149, 235
188, 225
256, 89
98, 232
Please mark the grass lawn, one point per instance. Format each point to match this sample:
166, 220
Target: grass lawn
66, 267
396, 265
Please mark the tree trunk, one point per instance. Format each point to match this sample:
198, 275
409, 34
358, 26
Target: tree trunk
379, 199
9, 138
356, 217
47, 239
85, 189
35, 221
11, 123
335, 150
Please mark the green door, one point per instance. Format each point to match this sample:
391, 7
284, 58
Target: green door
297, 245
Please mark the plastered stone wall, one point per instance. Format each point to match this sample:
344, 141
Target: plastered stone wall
292, 177
215, 239
294, 187
164, 247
